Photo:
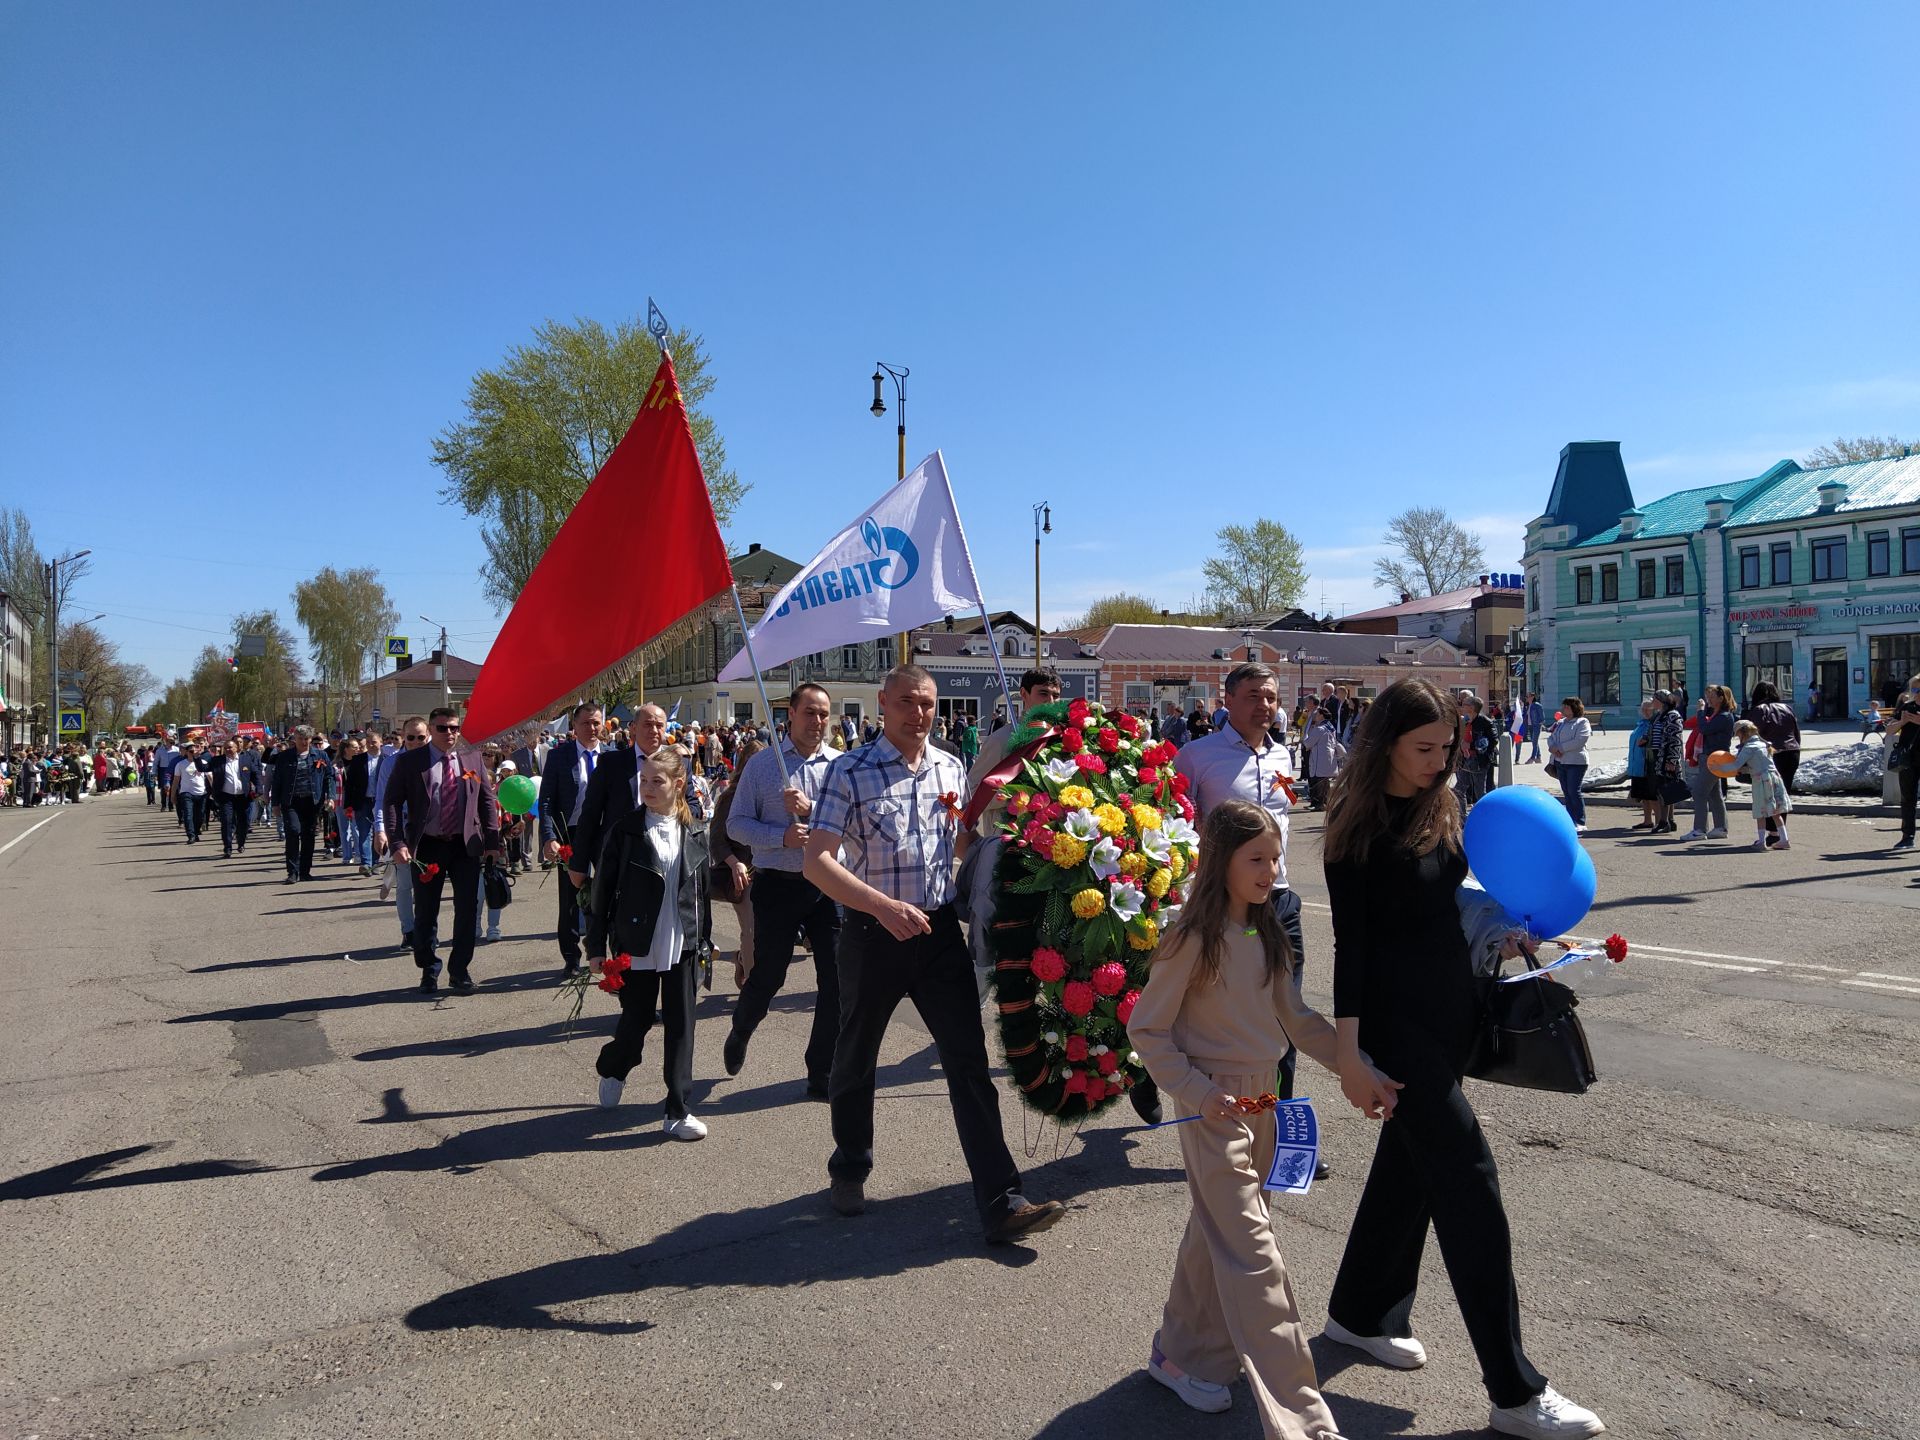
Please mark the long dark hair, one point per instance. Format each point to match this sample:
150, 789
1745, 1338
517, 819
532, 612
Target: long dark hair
1203, 919
1357, 813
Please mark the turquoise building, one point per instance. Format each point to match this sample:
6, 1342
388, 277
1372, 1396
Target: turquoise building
1800, 577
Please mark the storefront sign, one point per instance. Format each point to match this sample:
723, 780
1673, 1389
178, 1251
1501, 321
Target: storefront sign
1803, 614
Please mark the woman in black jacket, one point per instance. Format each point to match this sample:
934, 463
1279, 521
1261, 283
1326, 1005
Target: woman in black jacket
650, 903
1779, 727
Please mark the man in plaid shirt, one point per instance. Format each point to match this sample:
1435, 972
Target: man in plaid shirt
892, 810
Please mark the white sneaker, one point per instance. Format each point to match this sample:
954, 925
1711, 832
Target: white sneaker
1719, 832
1693, 835
1198, 1394
493, 933
1401, 1354
685, 1127
1547, 1416
610, 1091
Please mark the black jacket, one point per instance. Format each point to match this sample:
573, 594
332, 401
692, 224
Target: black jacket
609, 801
630, 884
280, 774
353, 785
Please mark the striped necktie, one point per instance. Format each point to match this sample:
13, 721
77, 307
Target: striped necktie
450, 800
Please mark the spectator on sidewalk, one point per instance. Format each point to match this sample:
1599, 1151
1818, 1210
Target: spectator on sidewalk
1568, 747
1779, 727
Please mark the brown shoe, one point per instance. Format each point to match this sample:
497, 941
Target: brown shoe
1023, 1218
849, 1197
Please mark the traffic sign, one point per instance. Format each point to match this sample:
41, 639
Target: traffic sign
376, 712
396, 645
73, 721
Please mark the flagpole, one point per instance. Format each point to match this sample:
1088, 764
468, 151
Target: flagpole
746, 633
1006, 691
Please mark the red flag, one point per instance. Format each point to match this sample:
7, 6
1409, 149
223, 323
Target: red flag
591, 600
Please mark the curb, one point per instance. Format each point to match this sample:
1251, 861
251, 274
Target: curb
1802, 804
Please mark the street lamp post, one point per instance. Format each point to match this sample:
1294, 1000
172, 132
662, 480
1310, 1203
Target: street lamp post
1300, 684
1744, 677
879, 407
1042, 525
53, 633
446, 687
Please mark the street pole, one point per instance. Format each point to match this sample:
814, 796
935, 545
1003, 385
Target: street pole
446, 688
53, 638
879, 407
1042, 524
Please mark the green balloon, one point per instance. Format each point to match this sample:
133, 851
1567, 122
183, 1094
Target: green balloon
518, 795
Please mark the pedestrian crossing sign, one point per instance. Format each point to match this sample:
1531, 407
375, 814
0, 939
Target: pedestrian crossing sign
73, 722
396, 644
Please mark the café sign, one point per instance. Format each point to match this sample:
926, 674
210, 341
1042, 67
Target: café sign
1846, 610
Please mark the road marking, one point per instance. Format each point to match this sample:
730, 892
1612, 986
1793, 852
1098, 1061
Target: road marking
29, 830
1875, 985
1876, 975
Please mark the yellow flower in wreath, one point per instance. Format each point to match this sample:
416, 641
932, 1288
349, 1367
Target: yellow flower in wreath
1146, 936
1177, 863
1145, 817
1134, 863
1077, 797
1068, 851
1089, 903
1112, 819
1158, 883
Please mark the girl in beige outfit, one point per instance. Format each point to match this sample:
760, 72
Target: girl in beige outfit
1212, 1024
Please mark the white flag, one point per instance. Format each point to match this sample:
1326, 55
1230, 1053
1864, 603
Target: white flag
903, 563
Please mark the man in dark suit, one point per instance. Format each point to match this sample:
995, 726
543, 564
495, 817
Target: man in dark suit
235, 780
439, 812
610, 794
568, 772
301, 780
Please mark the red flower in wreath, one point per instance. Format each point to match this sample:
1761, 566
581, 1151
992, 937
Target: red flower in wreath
1110, 979
1149, 775
1076, 1083
1092, 764
1077, 712
1049, 965
1076, 997
1123, 1012
1127, 723
1073, 741
1181, 784
1076, 1047
1108, 1063
1616, 948
1109, 739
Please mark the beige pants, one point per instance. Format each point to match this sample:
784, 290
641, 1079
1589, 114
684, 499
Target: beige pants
1231, 1303
744, 910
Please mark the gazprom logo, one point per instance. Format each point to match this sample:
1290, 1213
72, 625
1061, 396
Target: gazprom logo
896, 560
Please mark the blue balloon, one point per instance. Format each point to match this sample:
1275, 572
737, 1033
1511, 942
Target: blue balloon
1522, 847
1560, 912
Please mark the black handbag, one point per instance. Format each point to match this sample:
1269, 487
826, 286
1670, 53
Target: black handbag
1529, 1037
499, 887
1904, 753
1674, 791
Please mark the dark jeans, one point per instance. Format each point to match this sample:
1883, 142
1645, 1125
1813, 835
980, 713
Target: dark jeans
1432, 1164
299, 821
877, 972
783, 902
1786, 762
464, 870
236, 815
193, 815
1909, 783
568, 926
674, 993
1571, 778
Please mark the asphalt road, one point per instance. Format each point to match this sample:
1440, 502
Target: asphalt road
252, 1187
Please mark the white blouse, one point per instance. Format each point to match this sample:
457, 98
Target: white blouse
664, 834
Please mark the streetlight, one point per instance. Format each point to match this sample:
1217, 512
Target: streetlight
1300, 685
1745, 678
53, 629
1042, 525
879, 407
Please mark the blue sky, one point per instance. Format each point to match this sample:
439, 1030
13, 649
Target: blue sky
1166, 267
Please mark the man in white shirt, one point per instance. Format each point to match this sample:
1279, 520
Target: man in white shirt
190, 791
237, 781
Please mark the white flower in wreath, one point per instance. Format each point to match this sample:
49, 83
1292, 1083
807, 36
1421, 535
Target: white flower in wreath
1167, 916
1156, 846
1092, 722
1061, 771
1082, 826
1052, 1037
1105, 859
1125, 901
1181, 832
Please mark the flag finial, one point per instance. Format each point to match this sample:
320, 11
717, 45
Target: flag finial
656, 323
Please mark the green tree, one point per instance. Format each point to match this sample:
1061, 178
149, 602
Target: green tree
1435, 553
23, 580
129, 684
539, 426
1259, 569
347, 615
1865, 447
1119, 608
259, 688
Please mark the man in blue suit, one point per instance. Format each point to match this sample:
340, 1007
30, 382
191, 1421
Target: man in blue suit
563, 790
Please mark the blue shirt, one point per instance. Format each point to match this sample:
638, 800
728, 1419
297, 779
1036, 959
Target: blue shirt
759, 816
896, 834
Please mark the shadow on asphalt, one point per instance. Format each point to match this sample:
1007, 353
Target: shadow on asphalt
403, 993
1137, 1405
73, 1176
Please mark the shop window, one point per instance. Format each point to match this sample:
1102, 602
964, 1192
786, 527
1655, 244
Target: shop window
1664, 669
1676, 575
1648, 575
1750, 567
1138, 692
1782, 557
1600, 678
1892, 660
1910, 552
1772, 661
1583, 586
1829, 559
1879, 554
1609, 583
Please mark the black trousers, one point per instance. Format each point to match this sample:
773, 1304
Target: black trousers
1909, 786
464, 870
193, 815
673, 991
1786, 762
300, 819
1432, 1165
236, 816
935, 971
783, 902
568, 926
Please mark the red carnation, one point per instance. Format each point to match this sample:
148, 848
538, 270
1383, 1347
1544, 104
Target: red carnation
1108, 1063
1616, 948
1076, 997
612, 981
616, 964
1110, 978
1181, 784
1109, 739
1073, 741
1049, 965
1077, 710
427, 872
1092, 764
1076, 1047
1186, 806
1149, 775
1124, 1010
1076, 1083
1127, 723
565, 852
